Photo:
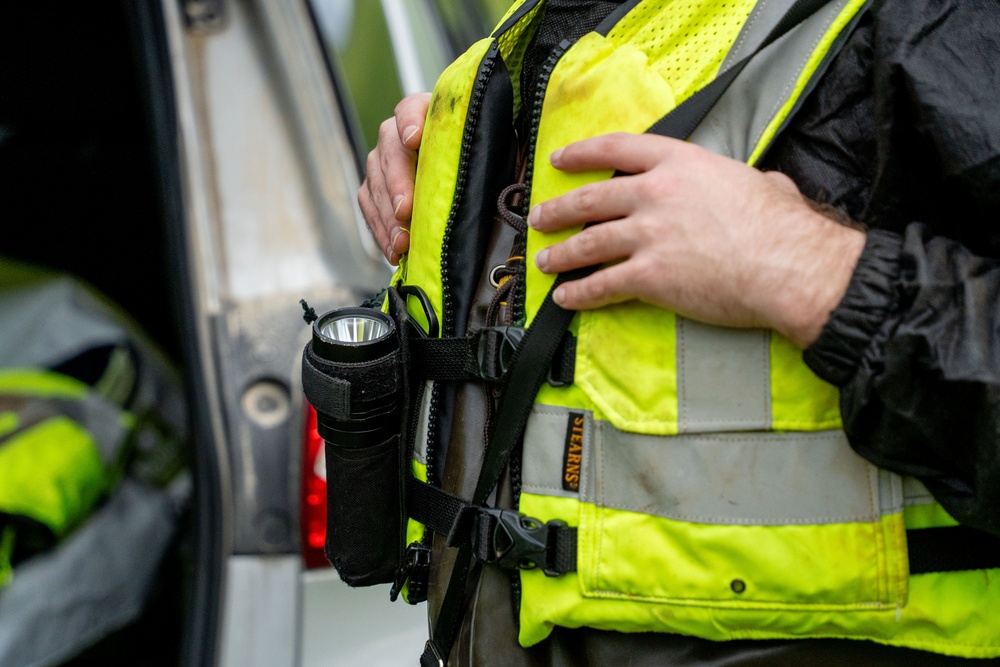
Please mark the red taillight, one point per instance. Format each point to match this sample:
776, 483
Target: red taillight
313, 516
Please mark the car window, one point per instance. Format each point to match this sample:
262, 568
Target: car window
469, 20
355, 35
384, 49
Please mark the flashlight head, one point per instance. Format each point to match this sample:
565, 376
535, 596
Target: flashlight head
353, 335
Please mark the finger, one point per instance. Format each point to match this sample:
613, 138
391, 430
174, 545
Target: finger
410, 115
374, 222
375, 227
595, 202
399, 240
602, 288
594, 245
373, 198
620, 151
370, 212
388, 151
398, 166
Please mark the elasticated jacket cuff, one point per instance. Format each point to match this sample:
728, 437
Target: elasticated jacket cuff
870, 299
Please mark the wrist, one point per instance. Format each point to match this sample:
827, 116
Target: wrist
871, 300
826, 262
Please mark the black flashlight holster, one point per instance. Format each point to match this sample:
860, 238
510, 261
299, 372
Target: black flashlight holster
366, 476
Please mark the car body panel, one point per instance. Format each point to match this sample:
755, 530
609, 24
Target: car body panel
268, 180
357, 626
267, 161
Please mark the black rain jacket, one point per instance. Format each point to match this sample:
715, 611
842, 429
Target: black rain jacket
903, 134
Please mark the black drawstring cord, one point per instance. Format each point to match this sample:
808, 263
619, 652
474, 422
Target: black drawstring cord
309, 315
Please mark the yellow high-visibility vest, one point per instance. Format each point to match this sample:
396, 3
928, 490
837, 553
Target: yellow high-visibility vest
714, 492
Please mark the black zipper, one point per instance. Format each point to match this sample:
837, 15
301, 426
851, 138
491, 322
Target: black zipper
475, 105
447, 301
541, 85
517, 299
447, 305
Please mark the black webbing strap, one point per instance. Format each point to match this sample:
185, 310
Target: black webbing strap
683, 119
443, 359
483, 355
524, 377
505, 538
951, 549
543, 338
944, 549
444, 513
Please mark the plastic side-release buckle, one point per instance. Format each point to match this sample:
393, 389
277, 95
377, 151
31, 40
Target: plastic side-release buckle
415, 569
495, 348
510, 540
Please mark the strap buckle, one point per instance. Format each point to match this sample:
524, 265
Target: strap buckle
512, 541
495, 348
415, 569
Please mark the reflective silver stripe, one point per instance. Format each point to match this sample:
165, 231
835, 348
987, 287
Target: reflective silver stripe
890, 485
754, 478
735, 125
723, 378
723, 375
544, 444
765, 15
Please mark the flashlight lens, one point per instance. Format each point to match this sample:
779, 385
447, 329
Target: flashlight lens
354, 335
354, 329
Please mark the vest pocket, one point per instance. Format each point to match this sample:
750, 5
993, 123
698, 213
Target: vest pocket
625, 363
742, 520
648, 370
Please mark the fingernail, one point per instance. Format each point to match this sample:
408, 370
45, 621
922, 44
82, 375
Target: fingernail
534, 214
558, 295
395, 235
408, 133
388, 252
555, 155
397, 201
542, 259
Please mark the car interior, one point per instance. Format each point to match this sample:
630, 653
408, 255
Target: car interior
90, 186
81, 193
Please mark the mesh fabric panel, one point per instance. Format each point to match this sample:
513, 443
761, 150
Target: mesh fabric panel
513, 45
563, 19
688, 39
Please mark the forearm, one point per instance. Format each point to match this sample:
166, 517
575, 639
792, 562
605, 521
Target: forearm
913, 346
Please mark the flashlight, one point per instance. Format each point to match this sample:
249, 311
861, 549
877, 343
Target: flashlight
352, 338
353, 375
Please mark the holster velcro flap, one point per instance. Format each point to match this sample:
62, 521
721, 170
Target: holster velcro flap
332, 388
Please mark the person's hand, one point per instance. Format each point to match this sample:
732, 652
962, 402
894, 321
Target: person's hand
706, 236
386, 196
